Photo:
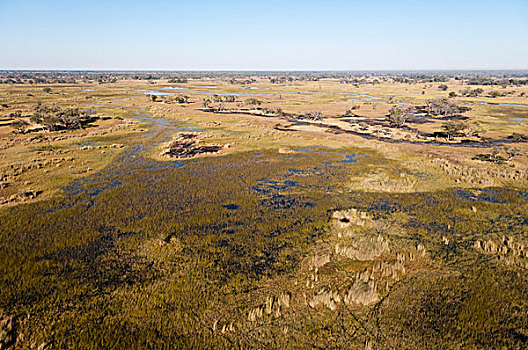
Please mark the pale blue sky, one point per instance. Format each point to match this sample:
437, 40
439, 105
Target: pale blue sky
263, 35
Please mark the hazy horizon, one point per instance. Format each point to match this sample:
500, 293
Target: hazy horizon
271, 36
390, 71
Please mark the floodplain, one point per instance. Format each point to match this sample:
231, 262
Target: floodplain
264, 210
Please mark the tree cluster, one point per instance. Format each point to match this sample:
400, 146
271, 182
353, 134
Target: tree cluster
54, 118
471, 92
399, 114
454, 128
442, 106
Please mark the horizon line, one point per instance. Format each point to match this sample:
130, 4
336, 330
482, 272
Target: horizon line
3, 70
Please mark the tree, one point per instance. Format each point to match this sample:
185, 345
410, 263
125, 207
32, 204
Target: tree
494, 155
443, 87
453, 127
314, 115
206, 102
253, 101
473, 128
20, 125
441, 106
229, 98
181, 98
55, 118
47, 90
399, 114
216, 98
471, 92
511, 152
221, 108
350, 111
494, 94
278, 111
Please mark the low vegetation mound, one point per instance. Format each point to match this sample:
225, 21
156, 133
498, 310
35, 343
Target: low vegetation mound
187, 145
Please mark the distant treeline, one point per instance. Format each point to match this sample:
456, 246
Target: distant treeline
499, 78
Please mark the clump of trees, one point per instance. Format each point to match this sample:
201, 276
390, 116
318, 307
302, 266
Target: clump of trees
454, 128
399, 114
471, 92
20, 125
495, 155
177, 81
518, 137
170, 99
274, 110
181, 99
314, 115
511, 152
224, 98
442, 87
253, 102
206, 103
54, 118
442, 106
494, 94
278, 111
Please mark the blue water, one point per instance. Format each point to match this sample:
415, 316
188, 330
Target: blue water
165, 165
358, 100
358, 94
206, 92
504, 104
157, 93
349, 158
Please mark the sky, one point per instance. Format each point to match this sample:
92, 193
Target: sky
263, 35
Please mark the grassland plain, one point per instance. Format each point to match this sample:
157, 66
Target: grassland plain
304, 232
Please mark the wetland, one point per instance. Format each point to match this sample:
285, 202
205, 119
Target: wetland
291, 216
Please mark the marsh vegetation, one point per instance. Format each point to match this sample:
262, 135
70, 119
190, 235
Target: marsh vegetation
278, 217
